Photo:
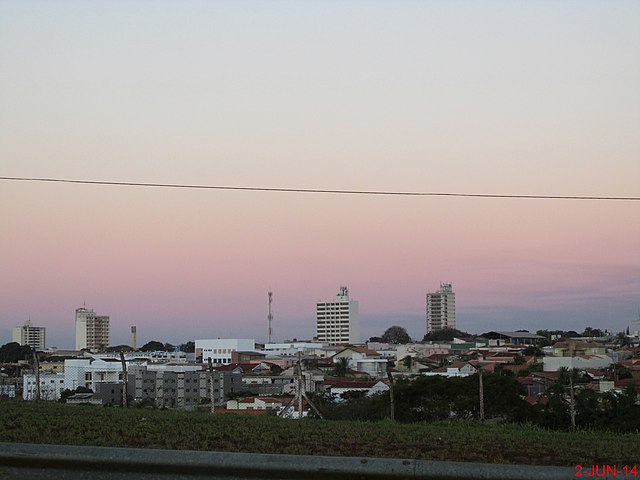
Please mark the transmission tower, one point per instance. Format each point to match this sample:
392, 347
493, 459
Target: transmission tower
270, 316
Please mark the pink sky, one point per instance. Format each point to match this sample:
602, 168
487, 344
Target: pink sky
517, 99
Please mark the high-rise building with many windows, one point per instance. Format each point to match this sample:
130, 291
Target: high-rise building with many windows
337, 320
441, 308
27, 334
92, 331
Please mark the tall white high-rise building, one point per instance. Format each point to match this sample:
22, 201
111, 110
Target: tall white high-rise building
337, 320
27, 334
441, 308
92, 331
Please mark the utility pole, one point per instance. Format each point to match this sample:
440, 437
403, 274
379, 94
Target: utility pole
211, 391
300, 386
572, 407
36, 367
392, 410
481, 395
124, 380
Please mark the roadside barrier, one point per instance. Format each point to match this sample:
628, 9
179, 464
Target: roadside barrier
61, 462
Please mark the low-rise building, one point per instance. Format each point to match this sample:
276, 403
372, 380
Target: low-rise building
582, 362
257, 403
51, 386
497, 338
183, 388
220, 350
573, 348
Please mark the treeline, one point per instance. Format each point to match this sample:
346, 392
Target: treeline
435, 398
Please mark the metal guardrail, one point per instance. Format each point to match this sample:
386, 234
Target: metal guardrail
60, 462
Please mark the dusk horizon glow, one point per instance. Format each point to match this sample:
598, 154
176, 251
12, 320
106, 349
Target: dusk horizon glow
388, 96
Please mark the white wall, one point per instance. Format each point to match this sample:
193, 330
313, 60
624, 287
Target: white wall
553, 364
219, 350
51, 385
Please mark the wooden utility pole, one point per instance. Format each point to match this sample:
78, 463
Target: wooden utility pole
300, 387
392, 410
315, 409
211, 390
481, 395
124, 380
572, 407
36, 368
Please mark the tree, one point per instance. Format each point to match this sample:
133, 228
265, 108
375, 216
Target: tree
341, 367
445, 334
67, 393
533, 350
622, 339
592, 332
396, 335
407, 361
152, 346
188, 347
12, 352
119, 348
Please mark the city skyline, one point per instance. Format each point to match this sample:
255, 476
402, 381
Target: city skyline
460, 97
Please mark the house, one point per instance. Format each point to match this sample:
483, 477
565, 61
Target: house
535, 387
355, 352
81, 398
582, 362
247, 357
363, 360
257, 403
421, 350
456, 369
511, 338
573, 348
336, 387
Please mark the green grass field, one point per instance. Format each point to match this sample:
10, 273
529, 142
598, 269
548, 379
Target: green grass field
54, 423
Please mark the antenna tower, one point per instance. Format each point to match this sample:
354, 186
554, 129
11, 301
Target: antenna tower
270, 316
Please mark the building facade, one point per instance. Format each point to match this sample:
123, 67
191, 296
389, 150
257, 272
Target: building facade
337, 321
27, 334
184, 388
92, 331
51, 386
219, 350
441, 308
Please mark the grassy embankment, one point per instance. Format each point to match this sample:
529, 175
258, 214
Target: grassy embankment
30, 422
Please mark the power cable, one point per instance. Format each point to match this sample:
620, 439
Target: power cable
319, 190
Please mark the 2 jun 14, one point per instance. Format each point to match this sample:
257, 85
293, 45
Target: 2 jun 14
606, 470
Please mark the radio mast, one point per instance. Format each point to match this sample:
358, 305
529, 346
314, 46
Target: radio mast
270, 316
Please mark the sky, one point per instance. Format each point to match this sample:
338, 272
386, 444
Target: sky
492, 97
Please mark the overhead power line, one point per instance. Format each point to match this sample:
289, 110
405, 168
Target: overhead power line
318, 190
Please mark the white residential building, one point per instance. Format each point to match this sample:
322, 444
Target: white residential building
553, 364
219, 350
88, 372
257, 403
337, 321
27, 334
51, 386
441, 308
291, 349
92, 331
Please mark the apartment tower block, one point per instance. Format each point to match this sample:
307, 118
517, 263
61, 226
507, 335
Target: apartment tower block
441, 308
337, 321
92, 331
27, 334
